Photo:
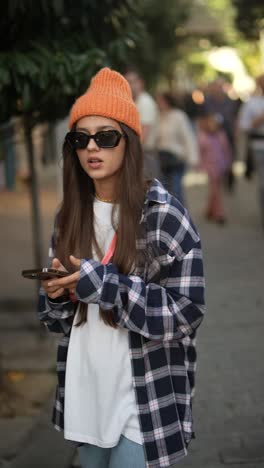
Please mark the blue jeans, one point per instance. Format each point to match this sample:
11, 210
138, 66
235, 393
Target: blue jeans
173, 183
126, 454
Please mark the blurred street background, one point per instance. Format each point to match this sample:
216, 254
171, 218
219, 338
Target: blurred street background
205, 58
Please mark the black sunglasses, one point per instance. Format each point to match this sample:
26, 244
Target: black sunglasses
103, 139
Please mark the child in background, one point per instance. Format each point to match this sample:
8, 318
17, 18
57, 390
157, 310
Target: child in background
215, 160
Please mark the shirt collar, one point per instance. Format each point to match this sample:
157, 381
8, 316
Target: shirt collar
157, 193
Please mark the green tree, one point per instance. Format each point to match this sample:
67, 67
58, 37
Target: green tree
249, 17
210, 24
214, 23
48, 51
159, 43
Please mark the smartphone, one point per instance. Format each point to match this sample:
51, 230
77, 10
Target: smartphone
44, 273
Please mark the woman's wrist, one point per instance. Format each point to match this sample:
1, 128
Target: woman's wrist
57, 300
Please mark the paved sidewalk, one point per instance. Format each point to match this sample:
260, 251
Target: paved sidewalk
27, 350
229, 405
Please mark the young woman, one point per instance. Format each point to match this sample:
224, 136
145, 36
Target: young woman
176, 144
130, 308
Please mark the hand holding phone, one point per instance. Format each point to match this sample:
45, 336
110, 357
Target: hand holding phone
56, 271
53, 292
62, 281
57, 286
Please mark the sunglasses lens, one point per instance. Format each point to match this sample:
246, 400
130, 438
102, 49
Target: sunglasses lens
103, 139
107, 139
77, 140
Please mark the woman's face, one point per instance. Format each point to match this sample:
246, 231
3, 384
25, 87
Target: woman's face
100, 163
162, 103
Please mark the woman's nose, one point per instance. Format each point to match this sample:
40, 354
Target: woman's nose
92, 145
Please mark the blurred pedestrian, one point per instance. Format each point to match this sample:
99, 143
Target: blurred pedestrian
219, 103
148, 113
216, 159
177, 145
251, 121
127, 311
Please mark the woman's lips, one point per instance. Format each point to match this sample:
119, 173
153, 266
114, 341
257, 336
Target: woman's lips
95, 163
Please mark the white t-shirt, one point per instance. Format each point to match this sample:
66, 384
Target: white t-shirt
100, 400
148, 113
177, 136
249, 111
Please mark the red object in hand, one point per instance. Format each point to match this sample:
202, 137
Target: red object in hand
73, 298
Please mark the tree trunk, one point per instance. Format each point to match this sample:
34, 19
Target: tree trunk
35, 210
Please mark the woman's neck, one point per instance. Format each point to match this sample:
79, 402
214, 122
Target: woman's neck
104, 192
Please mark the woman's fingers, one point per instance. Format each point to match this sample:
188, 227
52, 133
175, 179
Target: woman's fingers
50, 289
57, 293
44, 284
72, 285
75, 261
47, 288
53, 289
66, 281
57, 265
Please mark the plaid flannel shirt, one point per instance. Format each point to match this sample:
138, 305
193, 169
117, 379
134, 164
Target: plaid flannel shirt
161, 304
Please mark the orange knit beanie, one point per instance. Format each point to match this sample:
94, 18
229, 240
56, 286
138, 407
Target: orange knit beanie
109, 95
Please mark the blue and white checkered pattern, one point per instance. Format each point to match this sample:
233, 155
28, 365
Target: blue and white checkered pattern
161, 304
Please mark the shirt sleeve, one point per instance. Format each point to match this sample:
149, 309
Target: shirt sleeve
148, 111
57, 314
157, 312
189, 140
245, 117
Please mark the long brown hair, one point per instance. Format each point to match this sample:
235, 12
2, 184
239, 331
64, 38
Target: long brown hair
74, 227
